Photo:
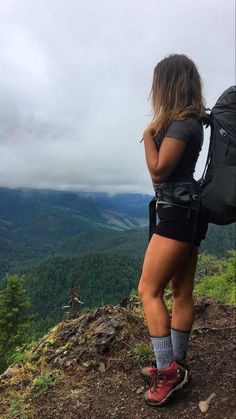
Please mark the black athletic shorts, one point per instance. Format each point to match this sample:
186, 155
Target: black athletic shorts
173, 222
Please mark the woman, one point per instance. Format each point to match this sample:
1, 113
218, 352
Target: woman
172, 144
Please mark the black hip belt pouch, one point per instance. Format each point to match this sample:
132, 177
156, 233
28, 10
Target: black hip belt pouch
178, 193
182, 194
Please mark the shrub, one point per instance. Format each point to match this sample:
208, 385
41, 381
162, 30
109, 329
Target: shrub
222, 286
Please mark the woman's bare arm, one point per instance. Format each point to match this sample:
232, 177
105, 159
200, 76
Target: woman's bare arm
161, 164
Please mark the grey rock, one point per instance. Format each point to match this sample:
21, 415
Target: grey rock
102, 367
67, 364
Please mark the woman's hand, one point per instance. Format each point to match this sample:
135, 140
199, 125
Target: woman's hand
149, 130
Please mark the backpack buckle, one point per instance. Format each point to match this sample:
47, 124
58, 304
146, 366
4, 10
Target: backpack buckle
222, 132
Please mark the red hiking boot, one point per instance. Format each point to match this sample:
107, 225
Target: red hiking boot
164, 383
147, 372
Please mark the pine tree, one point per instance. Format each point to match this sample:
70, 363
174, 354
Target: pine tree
15, 320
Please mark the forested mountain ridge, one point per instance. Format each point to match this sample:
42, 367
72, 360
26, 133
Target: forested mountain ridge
20, 204
35, 224
100, 279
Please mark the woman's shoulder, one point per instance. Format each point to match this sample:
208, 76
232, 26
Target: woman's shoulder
190, 124
187, 121
184, 128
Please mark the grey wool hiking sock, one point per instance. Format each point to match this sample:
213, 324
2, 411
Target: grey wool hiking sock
179, 343
163, 350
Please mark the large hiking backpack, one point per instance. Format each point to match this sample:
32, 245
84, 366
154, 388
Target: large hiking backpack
218, 181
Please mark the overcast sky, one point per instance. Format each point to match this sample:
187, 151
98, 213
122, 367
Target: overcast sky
75, 80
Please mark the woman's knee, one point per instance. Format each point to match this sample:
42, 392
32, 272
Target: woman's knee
181, 294
146, 290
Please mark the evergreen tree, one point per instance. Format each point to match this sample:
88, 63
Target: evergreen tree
15, 320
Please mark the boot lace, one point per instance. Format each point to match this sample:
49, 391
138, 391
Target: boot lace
156, 381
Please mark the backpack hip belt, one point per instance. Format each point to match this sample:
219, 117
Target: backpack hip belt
181, 194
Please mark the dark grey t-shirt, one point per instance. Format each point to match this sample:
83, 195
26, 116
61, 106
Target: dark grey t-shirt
189, 130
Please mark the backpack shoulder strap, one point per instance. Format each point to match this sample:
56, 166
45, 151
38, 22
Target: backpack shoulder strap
207, 118
207, 121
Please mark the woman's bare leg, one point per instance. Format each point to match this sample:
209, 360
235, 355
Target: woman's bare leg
163, 258
183, 306
182, 287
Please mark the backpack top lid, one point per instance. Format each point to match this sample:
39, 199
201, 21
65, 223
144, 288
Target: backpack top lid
224, 110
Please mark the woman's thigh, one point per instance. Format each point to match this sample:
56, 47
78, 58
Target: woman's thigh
162, 260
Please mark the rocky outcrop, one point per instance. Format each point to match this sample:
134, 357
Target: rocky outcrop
104, 331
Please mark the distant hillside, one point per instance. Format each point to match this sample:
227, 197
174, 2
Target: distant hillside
219, 239
35, 224
100, 278
38, 223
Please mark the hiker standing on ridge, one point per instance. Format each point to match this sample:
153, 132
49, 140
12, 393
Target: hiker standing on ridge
172, 145
73, 304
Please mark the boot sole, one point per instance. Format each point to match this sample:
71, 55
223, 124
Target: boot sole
178, 387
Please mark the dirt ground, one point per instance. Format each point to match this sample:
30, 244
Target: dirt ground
118, 392
114, 388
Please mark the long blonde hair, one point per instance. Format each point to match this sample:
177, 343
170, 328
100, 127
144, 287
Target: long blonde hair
176, 92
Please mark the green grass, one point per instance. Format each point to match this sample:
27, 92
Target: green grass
44, 381
221, 287
218, 288
17, 409
143, 351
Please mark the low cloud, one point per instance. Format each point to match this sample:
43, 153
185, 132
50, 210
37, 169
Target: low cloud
76, 78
